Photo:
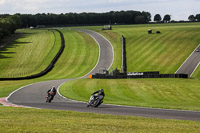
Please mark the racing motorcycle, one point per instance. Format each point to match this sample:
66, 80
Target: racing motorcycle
95, 101
49, 97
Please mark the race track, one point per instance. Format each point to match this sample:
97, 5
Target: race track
34, 95
192, 62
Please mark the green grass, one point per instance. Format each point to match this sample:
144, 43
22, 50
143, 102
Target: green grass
160, 93
37, 120
34, 50
196, 73
79, 57
163, 52
183, 94
29, 54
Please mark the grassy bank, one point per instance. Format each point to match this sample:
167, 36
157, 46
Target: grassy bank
163, 52
37, 120
79, 57
31, 53
181, 94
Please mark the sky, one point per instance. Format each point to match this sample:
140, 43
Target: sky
178, 9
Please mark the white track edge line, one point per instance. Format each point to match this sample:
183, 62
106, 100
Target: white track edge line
187, 58
195, 69
111, 47
64, 82
98, 57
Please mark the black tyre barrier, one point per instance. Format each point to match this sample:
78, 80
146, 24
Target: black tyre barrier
139, 75
49, 67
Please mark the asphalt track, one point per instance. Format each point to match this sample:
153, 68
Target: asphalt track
34, 95
191, 63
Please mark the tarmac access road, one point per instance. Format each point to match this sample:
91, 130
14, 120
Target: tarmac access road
191, 63
34, 95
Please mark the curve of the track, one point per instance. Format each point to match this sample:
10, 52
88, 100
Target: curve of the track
34, 95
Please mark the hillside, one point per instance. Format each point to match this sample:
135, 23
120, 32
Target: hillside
29, 54
33, 51
163, 52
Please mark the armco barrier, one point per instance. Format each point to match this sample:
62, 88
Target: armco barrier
49, 68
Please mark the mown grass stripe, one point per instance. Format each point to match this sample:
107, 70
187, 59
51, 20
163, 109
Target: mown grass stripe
157, 93
24, 62
76, 60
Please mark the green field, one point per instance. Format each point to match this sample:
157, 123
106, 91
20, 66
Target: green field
47, 121
35, 49
31, 53
183, 94
163, 52
79, 57
157, 52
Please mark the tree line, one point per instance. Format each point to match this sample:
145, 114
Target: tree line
119, 17
167, 18
8, 24
194, 18
158, 18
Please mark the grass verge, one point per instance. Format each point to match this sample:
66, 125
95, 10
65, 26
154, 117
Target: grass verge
37, 120
183, 94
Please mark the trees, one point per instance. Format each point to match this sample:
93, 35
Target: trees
9, 23
112, 17
140, 20
198, 17
147, 16
157, 18
167, 18
191, 18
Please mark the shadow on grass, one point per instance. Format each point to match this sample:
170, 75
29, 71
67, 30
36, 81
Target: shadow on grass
11, 42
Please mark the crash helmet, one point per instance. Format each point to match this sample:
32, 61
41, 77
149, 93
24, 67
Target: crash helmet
53, 87
101, 90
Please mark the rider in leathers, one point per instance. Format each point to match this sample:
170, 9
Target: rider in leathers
53, 89
101, 95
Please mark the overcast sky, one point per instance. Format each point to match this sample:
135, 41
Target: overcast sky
178, 9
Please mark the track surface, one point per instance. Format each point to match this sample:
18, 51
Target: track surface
190, 64
34, 95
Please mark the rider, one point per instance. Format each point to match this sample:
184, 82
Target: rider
53, 91
100, 93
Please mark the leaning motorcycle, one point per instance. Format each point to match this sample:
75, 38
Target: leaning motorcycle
95, 101
49, 97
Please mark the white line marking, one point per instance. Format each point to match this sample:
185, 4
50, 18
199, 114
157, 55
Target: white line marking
187, 58
195, 69
111, 47
98, 57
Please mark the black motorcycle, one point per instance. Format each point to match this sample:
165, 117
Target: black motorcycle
49, 97
95, 101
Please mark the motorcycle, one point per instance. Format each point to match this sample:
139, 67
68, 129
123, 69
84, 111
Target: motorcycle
49, 97
95, 101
